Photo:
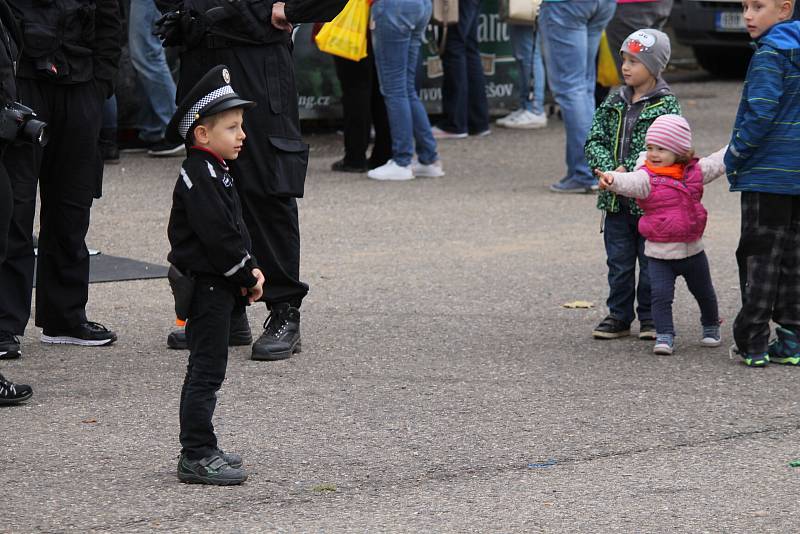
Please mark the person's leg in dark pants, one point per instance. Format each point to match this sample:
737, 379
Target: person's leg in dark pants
662, 287
786, 311
70, 178
643, 311
6, 210
759, 255
622, 244
458, 63
355, 78
696, 272
477, 102
207, 332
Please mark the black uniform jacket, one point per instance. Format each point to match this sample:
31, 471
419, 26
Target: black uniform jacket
206, 230
69, 41
9, 53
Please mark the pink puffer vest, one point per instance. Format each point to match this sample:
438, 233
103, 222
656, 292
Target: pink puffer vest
673, 212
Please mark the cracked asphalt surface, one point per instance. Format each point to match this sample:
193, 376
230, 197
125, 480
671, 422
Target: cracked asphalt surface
438, 363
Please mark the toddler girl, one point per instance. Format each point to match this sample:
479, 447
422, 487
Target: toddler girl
669, 188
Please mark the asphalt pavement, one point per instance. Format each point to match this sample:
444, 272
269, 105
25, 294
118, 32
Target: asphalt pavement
442, 385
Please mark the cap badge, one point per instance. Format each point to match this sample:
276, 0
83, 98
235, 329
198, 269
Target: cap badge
226, 75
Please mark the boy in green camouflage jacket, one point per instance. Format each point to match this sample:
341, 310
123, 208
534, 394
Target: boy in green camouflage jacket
614, 143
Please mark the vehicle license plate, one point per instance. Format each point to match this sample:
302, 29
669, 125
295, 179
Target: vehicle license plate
730, 21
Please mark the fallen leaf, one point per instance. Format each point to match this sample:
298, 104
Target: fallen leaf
89, 421
578, 304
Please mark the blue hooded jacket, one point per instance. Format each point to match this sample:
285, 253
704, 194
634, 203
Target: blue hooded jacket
764, 151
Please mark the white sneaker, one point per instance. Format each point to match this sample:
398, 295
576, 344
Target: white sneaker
527, 121
391, 171
438, 133
503, 120
433, 170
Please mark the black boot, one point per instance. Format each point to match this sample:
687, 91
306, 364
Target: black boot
108, 145
281, 337
239, 334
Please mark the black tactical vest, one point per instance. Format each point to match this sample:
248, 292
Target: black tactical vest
58, 36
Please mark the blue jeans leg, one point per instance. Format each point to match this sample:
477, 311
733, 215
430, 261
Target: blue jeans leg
662, 280
522, 41
153, 73
464, 102
624, 245
396, 41
570, 38
697, 274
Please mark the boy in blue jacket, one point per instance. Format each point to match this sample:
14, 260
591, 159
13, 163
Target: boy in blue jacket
763, 162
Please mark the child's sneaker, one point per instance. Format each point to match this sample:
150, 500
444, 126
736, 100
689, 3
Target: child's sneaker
785, 349
664, 343
213, 470
647, 330
750, 360
611, 328
711, 336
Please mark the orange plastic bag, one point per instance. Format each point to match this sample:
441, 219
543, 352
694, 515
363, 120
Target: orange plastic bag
346, 35
607, 74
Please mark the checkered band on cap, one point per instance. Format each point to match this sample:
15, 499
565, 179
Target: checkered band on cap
671, 132
191, 115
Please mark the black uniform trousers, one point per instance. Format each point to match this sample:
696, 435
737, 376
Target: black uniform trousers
270, 170
769, 268
6, 207
213, 302
69, 171
363, 107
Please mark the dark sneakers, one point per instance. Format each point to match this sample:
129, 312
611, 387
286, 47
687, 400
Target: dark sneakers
163, 148
281, 337
213, 470
750, 359
647, 330
239, 335
11, 393
88, 334
342, 166
9, 346
611, 328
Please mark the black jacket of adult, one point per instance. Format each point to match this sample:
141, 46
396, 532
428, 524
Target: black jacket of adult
9, 37
69, 41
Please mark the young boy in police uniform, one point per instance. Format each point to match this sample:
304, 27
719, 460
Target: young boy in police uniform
211, 245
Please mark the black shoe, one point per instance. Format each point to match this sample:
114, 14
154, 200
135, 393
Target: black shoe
9, 346
11, 393
647, 330
212, 470
135, 145
239, 335
87, 334
231, 458
611, 328
163, 148
342, 166
281, 337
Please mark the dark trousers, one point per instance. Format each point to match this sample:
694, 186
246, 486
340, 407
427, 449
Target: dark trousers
69, 171
207, 332
270, 171
363, 107
464, 102
6, 207
624, 247
695, 271
769, 268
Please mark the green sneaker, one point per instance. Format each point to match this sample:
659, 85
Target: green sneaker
786, 348
750, 360
211, 470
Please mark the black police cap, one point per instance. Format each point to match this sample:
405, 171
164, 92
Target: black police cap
212, 94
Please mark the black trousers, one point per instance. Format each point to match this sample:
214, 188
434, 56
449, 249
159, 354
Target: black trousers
6, 205
270, 171
363, 107
213, 303
769, 268
69, 171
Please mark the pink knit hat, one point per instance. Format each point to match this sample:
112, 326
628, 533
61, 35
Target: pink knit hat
671, 132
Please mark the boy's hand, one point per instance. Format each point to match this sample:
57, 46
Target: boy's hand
257, 290
605, 179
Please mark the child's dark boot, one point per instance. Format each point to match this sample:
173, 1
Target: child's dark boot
786, 348
212, 470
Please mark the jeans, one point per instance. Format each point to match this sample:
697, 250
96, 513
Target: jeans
695, 271
396, 39
153, 74
527, 46
464, 102
570, 37
624, 246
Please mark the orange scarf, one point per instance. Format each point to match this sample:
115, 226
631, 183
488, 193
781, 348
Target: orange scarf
675, 170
